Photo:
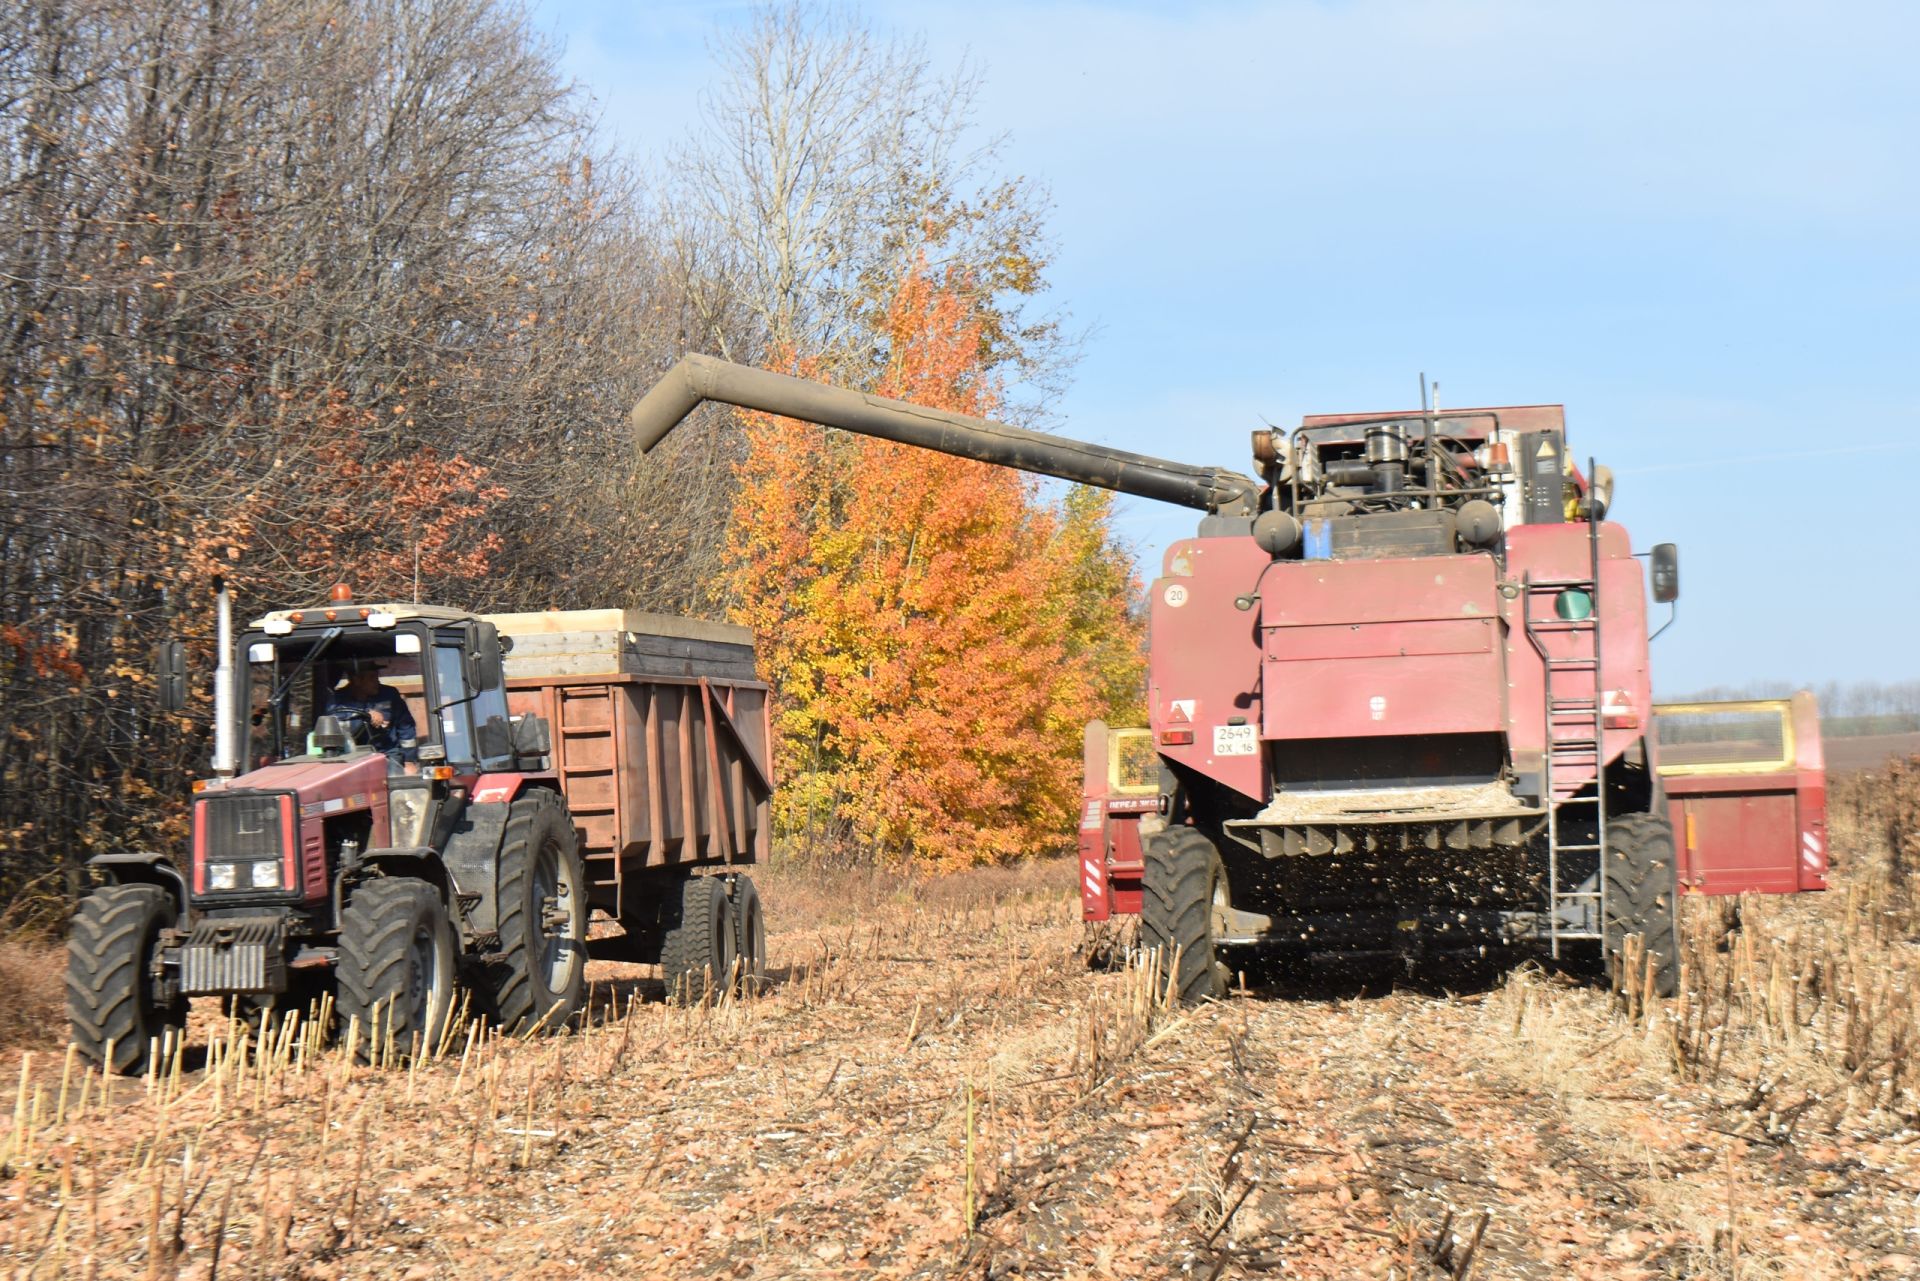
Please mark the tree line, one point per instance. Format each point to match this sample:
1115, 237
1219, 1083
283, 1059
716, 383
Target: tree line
297, 291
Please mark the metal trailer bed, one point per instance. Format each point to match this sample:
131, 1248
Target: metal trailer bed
660, 742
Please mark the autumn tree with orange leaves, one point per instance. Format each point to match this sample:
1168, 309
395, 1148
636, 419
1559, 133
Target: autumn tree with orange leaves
937, 630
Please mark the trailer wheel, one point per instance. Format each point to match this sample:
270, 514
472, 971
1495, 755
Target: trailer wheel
749, 937
1641, 895
396, 971
1183, 877
110, 997
541, 977
696, 957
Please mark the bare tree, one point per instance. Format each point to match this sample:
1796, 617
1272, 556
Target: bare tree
292, 289
830, 161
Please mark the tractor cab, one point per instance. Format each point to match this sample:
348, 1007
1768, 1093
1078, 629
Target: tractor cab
297, 700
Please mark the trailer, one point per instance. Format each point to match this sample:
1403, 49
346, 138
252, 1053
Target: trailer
409, 801
1746, 787
661, 746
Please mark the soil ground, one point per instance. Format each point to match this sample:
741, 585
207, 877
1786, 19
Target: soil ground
937, 1084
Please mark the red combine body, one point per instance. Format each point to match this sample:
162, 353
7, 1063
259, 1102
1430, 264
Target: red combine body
1398, 687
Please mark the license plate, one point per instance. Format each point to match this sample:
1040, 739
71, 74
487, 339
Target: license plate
1236, 740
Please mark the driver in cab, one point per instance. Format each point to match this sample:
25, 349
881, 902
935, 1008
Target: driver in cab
390, 726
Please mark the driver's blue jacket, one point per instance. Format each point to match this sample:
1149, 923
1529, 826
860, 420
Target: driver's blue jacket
398, 738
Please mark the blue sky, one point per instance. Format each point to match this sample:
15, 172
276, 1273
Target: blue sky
1697, 225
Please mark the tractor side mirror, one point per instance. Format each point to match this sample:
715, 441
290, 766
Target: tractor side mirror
170, 672
1665, 570
487, 668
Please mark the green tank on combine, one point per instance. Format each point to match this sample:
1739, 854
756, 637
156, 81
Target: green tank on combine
561, 764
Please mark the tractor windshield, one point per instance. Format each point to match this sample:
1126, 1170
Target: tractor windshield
292, 680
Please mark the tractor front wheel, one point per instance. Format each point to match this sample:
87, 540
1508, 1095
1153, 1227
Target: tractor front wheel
1641, 896
396, 973
1183, 882
111, 1004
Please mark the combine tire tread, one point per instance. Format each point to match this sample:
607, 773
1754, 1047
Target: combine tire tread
109, 993
1642, 894
1176, 917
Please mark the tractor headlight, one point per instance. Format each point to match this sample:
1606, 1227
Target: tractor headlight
266, 874
222, 876
410, 816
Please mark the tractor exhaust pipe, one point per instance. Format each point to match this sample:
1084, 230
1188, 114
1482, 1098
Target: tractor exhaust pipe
226, 746
701, 378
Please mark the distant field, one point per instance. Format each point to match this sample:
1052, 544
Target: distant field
1868, 751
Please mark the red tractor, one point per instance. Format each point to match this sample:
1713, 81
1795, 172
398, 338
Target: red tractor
614, 761
1398, 686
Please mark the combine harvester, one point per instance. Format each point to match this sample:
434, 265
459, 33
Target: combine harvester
597, 759
1398, 693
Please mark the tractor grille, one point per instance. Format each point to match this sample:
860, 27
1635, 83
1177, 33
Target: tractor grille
240, 826
235, 955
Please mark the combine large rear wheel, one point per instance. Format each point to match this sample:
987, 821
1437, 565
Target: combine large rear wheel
1183, 881
1641, 895
110, 996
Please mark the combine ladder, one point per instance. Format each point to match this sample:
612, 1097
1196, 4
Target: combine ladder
1575, 735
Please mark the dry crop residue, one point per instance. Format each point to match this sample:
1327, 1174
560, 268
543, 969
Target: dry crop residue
936, 1085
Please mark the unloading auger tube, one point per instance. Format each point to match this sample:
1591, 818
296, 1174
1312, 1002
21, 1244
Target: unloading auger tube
700, 378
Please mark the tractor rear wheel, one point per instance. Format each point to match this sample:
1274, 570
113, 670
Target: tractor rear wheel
1641, 896
1183, 881
697, 954
396, 971
541, 977
110, 996
749, 937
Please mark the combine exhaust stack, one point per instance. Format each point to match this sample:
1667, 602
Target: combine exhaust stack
701, 378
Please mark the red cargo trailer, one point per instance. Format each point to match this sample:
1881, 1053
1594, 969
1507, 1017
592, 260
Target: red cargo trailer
1746, 786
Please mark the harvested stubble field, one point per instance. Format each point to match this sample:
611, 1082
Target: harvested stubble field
937, 1085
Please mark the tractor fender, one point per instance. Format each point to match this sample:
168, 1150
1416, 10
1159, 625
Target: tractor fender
471, 857
472, 850
505, 788
144, 867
